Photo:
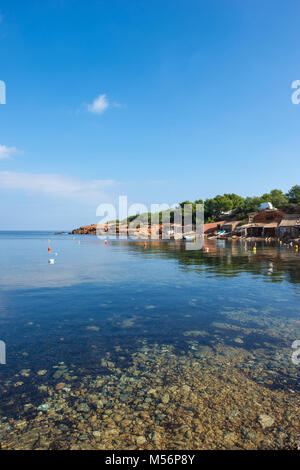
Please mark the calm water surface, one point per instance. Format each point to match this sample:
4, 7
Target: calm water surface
98, 308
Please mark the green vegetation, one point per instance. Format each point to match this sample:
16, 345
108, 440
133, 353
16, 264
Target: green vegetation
294, 194
227, 205
219, 207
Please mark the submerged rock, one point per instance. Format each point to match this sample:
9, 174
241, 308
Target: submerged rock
83, 407
60, 386
140, 440
265, 421
44, 407
238, 341
93, 328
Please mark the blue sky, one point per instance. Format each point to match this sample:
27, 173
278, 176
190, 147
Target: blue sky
160, 100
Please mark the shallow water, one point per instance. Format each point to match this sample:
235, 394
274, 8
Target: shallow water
122, 346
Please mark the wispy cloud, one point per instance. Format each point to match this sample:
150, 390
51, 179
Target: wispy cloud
8, 152
58, 185
101, 104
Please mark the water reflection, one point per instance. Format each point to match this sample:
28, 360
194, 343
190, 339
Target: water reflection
158, 333
274, 262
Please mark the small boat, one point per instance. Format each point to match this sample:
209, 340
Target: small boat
188, 237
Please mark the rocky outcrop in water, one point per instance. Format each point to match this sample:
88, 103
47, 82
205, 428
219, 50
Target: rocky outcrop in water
85, 230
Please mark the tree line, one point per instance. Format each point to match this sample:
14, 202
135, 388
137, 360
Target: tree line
227, 205
233, 204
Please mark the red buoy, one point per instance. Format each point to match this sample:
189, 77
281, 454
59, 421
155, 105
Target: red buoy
49, 248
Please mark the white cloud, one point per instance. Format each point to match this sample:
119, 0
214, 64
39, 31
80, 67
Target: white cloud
57, 185
7, 152
99, 105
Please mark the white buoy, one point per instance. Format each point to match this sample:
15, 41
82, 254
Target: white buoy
51, 261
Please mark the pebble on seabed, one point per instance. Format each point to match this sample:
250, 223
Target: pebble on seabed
164, 400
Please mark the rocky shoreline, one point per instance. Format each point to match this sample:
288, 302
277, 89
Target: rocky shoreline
86, 230
143, 230
155, 232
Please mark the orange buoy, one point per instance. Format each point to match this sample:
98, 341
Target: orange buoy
106, 242
49, 248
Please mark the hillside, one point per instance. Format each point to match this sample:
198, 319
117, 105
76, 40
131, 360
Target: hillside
222, 207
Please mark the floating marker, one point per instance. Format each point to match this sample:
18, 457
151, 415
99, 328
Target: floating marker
49, 248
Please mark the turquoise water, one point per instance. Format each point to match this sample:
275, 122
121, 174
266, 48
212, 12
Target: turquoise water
98, 302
